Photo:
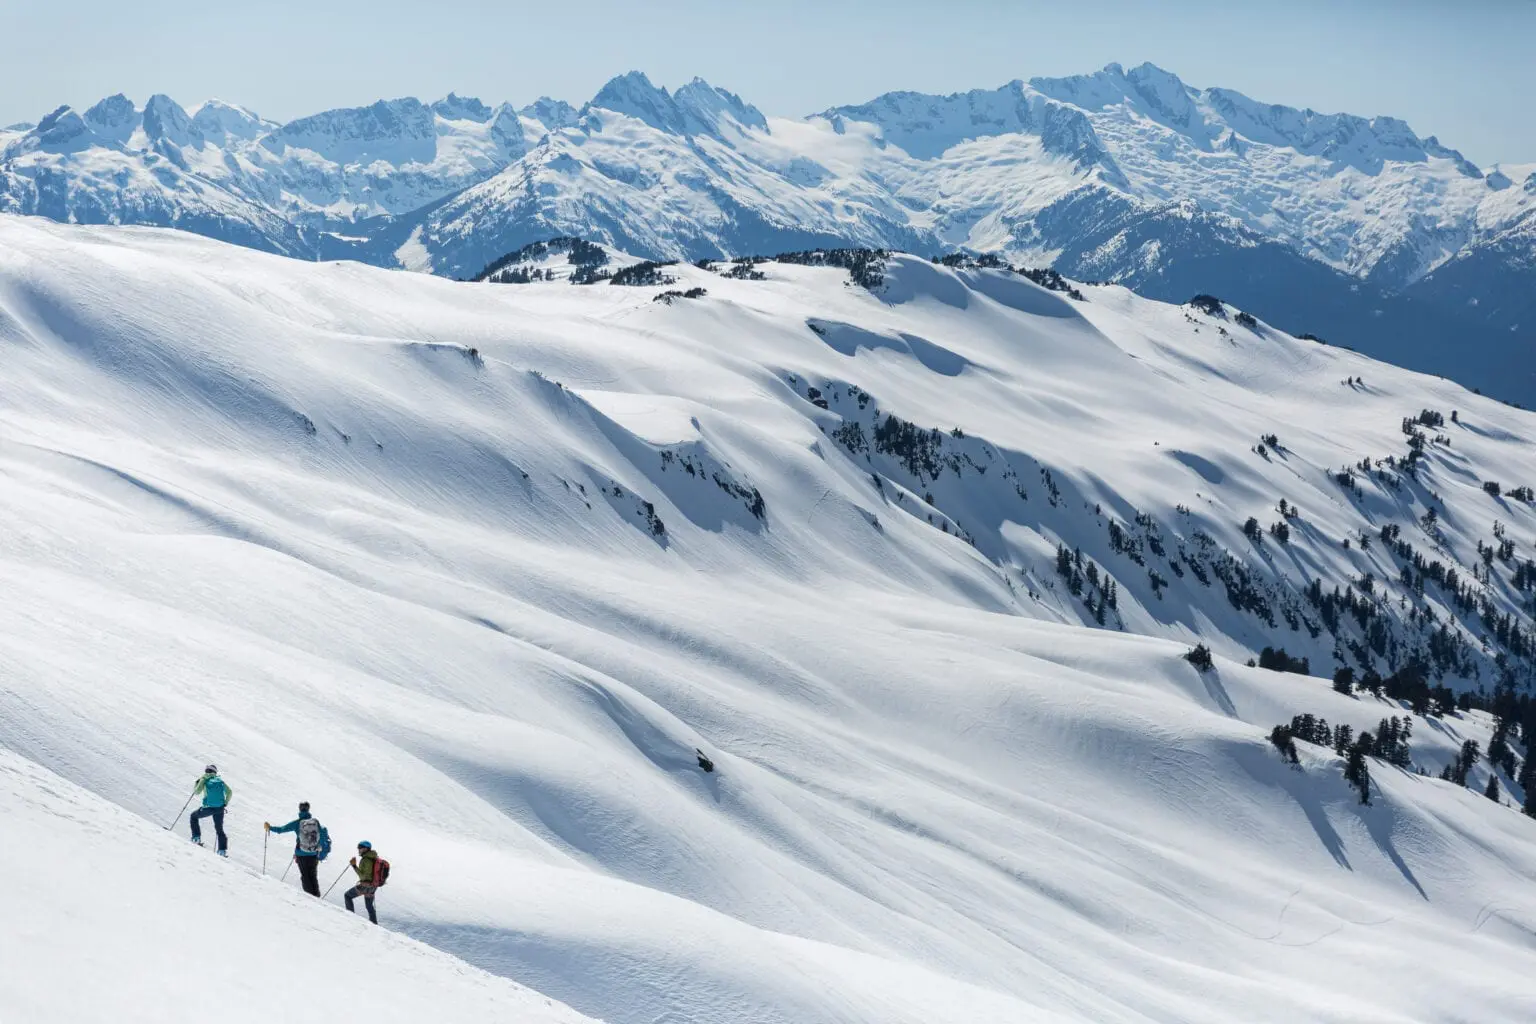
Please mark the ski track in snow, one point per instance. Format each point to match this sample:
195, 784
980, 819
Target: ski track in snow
277, 515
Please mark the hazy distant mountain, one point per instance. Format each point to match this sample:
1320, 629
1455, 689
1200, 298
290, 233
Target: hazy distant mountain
1351, 228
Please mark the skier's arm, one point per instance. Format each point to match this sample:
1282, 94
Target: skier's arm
286, 828
200, 785
229, 793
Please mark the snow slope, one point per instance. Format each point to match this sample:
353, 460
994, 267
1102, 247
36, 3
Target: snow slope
476, 568
112, 919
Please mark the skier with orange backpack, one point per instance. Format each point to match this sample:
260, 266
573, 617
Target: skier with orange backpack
372, 872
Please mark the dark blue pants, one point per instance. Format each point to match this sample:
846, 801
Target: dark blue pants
217, 814
351, 894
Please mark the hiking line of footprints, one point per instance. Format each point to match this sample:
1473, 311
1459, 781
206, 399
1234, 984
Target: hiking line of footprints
311, 841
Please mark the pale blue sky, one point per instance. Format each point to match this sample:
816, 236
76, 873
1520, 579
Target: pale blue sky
1463, 71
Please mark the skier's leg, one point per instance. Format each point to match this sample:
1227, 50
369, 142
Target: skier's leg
347, 897
218, 828
197, 833
309, 874
368, 902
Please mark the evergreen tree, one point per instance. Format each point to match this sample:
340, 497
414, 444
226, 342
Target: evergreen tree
1281, 737
1470, 755
1344, 681
1492, 792
1498, 747
1462, 764
1527, 780
1343, 736
1357, 772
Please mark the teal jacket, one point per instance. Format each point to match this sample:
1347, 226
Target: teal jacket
215, 791
293, 826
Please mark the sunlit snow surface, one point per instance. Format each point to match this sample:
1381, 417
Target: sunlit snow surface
168, 933
379, 541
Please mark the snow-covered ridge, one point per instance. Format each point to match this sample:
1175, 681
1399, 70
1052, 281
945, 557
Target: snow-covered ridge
1144, 132
1366, 195
477, 569
1348, 190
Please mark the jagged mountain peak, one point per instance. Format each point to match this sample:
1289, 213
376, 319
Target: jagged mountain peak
1113, 80
694, 109
1348, 139
634, 94
220, 120
111, 115
1205, 115
926, 126
380, 119
551, 113
61, 130
165, 120
708, 104
462, 108
397, 131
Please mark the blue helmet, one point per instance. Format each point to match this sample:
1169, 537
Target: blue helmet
365, 845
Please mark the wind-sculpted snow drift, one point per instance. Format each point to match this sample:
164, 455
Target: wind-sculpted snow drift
476, 568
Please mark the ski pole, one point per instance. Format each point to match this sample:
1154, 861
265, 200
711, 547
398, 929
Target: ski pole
287, 869
333, 884
264, 837
183, 808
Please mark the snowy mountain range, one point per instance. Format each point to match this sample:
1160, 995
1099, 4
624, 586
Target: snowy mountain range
833, 638
1353, 229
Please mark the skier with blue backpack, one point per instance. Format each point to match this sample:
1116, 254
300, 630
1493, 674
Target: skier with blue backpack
312, 844
216, 794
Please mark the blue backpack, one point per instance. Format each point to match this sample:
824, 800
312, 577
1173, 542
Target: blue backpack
215, 793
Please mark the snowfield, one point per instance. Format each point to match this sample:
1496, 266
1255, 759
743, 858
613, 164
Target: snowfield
116, 920
478, 568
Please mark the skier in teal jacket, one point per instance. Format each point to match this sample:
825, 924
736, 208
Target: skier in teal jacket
216, 794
